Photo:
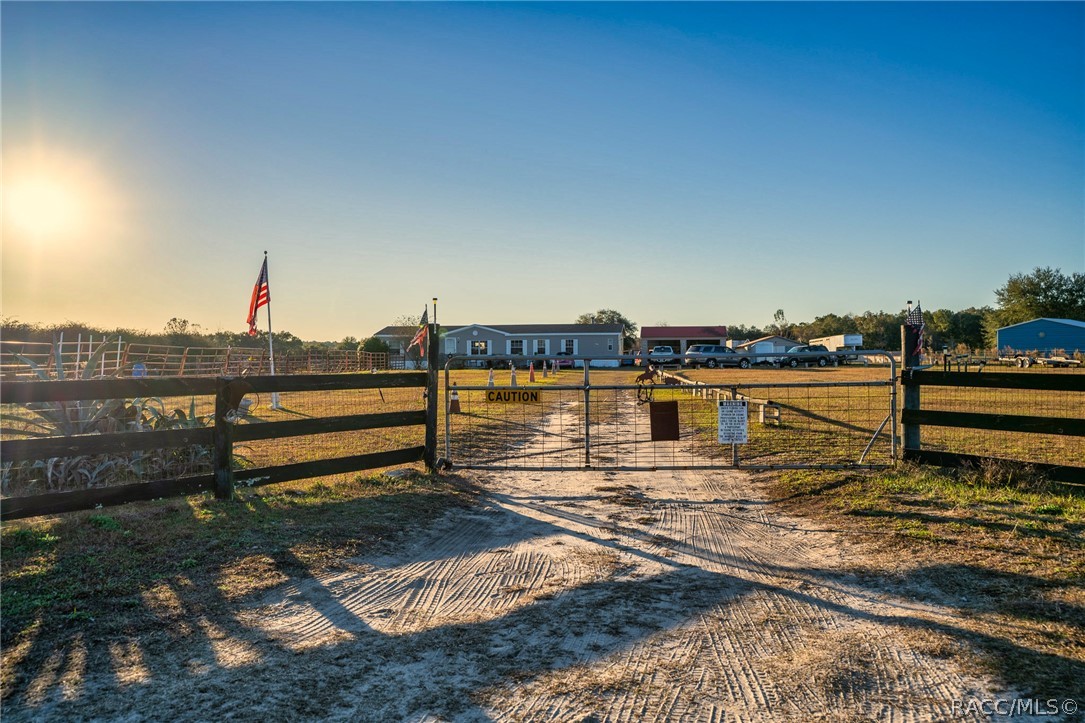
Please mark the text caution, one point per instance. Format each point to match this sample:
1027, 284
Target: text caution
512, 395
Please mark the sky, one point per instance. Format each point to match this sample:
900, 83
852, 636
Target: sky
681, 163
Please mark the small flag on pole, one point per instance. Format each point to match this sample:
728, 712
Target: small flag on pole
260, 297
420, 337
914, 319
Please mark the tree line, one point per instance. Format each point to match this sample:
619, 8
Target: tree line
1045, 292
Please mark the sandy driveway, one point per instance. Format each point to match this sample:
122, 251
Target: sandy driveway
593, 596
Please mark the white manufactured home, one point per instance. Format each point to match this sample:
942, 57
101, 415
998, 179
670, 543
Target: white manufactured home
486, 345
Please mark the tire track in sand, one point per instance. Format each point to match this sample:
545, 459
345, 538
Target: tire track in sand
683, 598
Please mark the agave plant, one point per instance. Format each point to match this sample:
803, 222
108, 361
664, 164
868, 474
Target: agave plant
51, 419
55, 419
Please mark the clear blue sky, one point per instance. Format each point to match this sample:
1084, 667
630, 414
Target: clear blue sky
526, 163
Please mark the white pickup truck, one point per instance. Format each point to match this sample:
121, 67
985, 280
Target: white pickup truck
661, 355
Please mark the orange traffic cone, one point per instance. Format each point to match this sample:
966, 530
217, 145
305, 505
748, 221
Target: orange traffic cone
513, 376
490, 381
531, 372
454, 401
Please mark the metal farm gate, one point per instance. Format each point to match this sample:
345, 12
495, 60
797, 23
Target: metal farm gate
584, 415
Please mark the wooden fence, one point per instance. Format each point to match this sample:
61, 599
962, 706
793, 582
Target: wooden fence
228, 393
1020, 415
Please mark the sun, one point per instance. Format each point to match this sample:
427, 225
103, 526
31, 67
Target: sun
51, 197
43, 207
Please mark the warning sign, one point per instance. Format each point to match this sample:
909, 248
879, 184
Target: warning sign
512, 395
733, 425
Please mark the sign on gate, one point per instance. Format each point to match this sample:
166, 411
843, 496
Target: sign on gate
512, 395
733, 426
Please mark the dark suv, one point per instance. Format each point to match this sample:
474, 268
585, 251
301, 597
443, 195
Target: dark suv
714, 355
808, 351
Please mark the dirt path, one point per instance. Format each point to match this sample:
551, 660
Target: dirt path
649, 596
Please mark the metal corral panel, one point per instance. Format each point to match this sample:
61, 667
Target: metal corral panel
1044, 336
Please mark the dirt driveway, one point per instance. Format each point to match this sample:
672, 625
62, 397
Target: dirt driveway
568, 597
592, 596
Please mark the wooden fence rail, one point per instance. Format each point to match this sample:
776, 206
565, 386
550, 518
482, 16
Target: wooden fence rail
228, 392
914, 417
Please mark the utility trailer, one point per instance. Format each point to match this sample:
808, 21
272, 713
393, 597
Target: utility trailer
1024, 361
841, 342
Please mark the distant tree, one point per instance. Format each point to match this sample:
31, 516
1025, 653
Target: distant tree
348, 343
374, 345
610, 316
177, 326
966, 328
880, 330
741, 332
1046, 292
827, 325
780, 325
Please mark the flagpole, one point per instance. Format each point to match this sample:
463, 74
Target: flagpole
436, 337
270, 338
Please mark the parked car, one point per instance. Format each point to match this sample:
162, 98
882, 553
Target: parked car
823, 359
714, 355
661, 355
559, 363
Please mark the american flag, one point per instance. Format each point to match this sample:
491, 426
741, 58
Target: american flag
420, 336
914, 319
260, 297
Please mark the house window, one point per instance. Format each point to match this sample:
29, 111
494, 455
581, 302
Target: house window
541, 346
516, 347
480, 348
568, 346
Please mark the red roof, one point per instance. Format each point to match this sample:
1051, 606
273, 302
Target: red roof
683, 332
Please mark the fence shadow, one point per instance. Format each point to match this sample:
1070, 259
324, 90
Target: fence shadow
184, 644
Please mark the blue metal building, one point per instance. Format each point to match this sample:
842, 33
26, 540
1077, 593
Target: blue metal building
1043, 336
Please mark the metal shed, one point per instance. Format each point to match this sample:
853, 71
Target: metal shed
1043, 336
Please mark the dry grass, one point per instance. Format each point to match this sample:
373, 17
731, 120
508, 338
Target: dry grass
1003, 548
123, 573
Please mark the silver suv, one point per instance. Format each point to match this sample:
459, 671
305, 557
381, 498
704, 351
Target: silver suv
714, 355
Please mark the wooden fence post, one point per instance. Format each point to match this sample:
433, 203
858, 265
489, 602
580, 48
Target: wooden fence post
909, 346
433, 353
224, 442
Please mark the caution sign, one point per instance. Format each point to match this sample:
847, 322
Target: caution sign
512, 395
733, 426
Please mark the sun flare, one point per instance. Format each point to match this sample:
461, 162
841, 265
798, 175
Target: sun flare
43, 207
51, 197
